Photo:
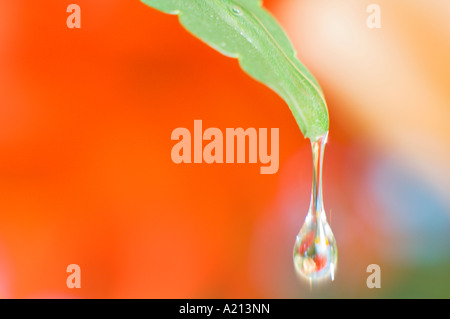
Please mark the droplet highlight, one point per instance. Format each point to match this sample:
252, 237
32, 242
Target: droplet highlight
315, 250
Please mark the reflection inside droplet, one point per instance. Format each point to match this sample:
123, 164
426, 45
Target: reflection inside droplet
315, 251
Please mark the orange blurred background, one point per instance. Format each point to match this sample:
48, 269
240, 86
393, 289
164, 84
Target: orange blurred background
86, 175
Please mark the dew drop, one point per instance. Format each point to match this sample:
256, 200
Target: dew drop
315, 251
236, 11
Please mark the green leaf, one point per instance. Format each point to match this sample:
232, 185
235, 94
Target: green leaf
243, 29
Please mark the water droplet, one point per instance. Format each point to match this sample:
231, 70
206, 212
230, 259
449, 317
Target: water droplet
236, 10
315, 251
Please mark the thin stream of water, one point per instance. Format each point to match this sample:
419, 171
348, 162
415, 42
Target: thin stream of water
315, 251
